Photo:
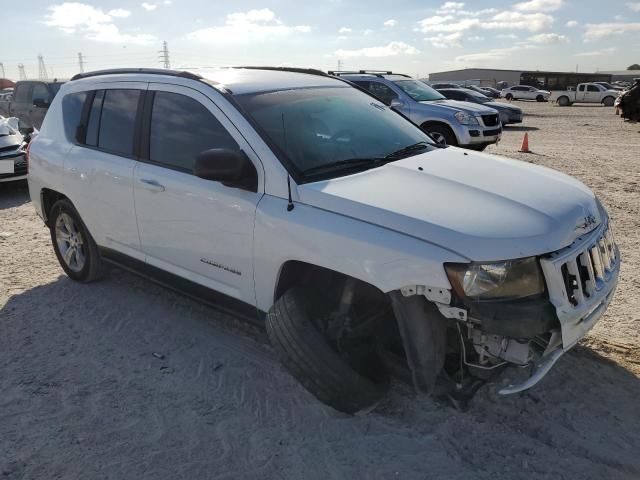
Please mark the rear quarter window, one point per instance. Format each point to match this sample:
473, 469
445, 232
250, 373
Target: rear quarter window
72, 105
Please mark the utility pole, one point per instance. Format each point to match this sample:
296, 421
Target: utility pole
164, 55
2, 70
42, 69
339, 65
21, 73
81, 62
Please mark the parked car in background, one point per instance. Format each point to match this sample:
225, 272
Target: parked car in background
30, 102
443, 85
491, 92
456, 123
609, 86
13, 165
585, 93
509, 114
309, 206
525, 92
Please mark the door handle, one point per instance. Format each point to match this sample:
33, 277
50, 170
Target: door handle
152, 185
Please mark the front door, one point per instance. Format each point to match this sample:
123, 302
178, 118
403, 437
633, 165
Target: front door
198, 229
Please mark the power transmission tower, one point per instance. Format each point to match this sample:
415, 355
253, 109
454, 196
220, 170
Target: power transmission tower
2, 70
164, 55
42, 69
21, 73
81, 62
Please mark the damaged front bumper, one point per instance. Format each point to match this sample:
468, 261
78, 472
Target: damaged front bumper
581, 280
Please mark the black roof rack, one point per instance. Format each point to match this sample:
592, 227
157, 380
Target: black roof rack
310, 71
375, 73
154, 71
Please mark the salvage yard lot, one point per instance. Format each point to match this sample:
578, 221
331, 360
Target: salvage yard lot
124, 379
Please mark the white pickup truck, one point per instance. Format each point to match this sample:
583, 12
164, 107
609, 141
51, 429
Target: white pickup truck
585, 93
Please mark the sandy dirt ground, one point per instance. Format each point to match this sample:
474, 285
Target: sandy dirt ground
123, 379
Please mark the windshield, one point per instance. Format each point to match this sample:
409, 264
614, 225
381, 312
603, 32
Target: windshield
314, 127
420, 92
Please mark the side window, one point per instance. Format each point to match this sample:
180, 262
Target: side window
182, 128
94, 119
118, 119
40, 93
592, 88
22, 93
581, 88
453, 95
384, 93
72, 105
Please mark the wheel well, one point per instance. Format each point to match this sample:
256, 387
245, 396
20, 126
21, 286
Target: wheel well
302, 274
608, 96
49, 198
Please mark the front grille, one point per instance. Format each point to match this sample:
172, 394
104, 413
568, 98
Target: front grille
11, 148
491, 133
491, 120
588, 269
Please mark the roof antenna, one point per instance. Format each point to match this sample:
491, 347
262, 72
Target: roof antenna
290, 204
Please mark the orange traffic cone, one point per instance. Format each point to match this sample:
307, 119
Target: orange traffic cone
525, 144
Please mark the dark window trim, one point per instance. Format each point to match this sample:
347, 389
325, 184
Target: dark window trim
81, 129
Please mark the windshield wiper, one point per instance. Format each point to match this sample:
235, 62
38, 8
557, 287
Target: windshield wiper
349, 163
366, 162
408, 149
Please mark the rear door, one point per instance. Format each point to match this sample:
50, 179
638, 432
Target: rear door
581, 93
21, 104
198, 229
100, 167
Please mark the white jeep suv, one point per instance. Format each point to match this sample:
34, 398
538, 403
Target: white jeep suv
302, 202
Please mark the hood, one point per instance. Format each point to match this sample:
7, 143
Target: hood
482, 207
457, 106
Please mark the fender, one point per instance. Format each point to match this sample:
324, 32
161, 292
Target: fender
384, 258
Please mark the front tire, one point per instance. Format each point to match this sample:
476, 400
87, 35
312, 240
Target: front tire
509, 96
441, 133
539, 98
304, 351
73, 245
608, 101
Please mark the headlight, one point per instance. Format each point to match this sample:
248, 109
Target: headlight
510, 279
466, 119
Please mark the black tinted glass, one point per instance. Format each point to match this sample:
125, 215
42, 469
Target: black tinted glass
72, 105
118, 120
94, 119
182, 128
40, 93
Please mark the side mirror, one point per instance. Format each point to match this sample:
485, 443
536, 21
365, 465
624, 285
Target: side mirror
229, 167
396, 103
40, 103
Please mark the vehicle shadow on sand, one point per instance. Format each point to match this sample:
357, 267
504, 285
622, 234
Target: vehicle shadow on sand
87, 348
13, 194
519, 128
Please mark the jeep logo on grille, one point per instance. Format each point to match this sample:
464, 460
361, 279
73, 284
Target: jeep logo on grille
586, 222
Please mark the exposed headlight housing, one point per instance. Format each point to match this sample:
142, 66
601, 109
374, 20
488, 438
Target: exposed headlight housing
507, 280
466, 119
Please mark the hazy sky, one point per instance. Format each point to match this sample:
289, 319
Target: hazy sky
415, 37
